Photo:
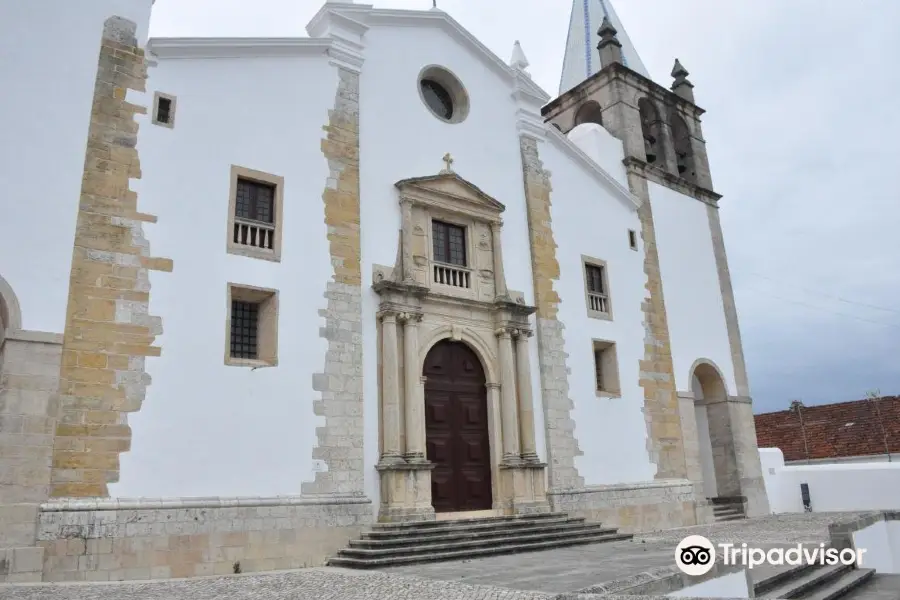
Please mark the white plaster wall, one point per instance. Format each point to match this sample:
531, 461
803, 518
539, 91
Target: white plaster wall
694, 308
400, 138
206, 428
875, 540
589, 219
832, 487
47, 46
733, 585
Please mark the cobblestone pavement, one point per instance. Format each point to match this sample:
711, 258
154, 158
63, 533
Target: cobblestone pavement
308, 584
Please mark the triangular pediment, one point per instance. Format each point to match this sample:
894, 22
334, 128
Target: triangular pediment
452, 187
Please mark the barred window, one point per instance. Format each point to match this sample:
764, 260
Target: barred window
163, 110
449, 243
244, 329
594, 279
255, 201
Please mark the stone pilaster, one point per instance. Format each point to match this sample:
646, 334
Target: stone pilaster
414, 403
740, 409
340, 440
499, 275
661, 410
390, 391
109, 331
562, 446
508, 402
526, 403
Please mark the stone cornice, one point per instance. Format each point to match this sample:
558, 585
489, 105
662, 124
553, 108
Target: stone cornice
662, 177
618, 71
175, 48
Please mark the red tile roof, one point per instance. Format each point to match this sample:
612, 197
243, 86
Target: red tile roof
833, 430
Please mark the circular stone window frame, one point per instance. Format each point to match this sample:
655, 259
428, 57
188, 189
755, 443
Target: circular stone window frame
451, 83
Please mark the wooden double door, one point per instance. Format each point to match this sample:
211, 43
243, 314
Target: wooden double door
456, 429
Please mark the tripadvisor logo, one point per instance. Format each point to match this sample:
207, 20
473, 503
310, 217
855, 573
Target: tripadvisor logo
696, 555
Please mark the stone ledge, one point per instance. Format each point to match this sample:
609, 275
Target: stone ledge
98, 504
40, 337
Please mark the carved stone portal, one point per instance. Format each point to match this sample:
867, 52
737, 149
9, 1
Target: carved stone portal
448, 286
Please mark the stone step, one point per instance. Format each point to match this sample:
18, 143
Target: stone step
493, 549
468, 526
414, 546
725, 513
468, 534
453, 523
806, 581
843, 585
781, 576
735, 517
718, 508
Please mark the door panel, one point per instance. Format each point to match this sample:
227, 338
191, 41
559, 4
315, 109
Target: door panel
456, 429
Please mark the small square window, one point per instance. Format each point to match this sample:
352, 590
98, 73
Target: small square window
163, 110
251, 327
254, 214
606, 369
632, 239
596, 286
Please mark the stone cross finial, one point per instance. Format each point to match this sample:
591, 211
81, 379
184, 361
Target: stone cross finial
610, 48
448, 161
681, 86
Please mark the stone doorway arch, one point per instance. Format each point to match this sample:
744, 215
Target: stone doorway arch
457, 429
718, 464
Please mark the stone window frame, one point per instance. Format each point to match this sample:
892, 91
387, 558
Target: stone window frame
267, 336
633, 239
608, 367
232, 247
454, 87
596, 262
173, 100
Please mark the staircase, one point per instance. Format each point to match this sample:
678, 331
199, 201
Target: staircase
818, 582
432, 541
728, 509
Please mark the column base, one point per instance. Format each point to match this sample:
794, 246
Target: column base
522, 489
405, 492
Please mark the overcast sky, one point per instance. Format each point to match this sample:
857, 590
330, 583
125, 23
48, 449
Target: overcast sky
803, 131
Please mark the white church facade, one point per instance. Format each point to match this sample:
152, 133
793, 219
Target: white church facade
284, 289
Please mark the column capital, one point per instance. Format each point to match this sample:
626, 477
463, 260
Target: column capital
506, 332
523, 334
496, 225
410, 318
388, 315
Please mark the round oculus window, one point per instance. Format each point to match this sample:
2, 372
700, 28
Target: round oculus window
437, 99
443, 94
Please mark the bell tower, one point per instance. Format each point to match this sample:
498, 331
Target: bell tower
663, 144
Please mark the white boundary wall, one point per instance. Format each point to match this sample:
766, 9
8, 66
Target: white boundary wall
832, 487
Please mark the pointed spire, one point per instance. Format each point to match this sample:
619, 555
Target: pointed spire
610, 47
681, 86
518, 60
581, 61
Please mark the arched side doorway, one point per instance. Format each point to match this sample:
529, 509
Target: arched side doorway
717, 458
457, 436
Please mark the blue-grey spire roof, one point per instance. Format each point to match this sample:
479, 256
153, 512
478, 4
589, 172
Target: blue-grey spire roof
582, 59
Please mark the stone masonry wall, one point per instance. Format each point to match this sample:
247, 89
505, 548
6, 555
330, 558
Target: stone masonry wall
29, 380
562, 445
108, 329
114, 540
633, 507
657, 372
340, 440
